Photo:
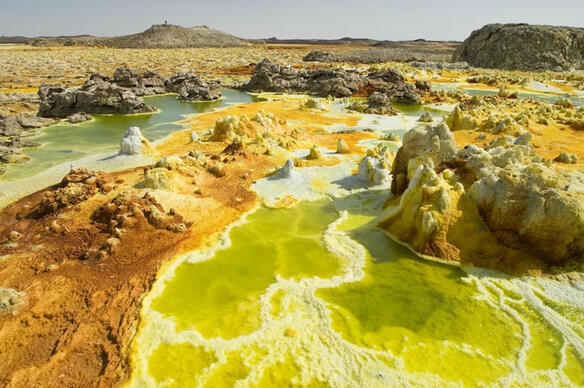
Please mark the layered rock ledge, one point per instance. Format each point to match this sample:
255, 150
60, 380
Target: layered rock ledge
524, 47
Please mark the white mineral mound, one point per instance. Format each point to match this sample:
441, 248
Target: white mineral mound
287, 171
373, 171
131, 143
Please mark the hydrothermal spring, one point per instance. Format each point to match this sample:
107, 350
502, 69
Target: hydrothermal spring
317, 295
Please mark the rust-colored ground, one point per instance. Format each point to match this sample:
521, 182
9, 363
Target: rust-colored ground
81, 310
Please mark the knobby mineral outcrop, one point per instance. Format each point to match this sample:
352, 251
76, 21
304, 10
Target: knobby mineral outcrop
501, 207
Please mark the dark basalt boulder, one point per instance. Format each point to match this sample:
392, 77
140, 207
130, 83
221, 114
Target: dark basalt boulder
524, 47
393, 84
190, 87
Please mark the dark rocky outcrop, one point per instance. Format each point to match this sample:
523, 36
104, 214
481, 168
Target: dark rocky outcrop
122, 93
524, 47
13, 128
190, 87
272, 77
377, 103
9, 125
319, 56
96, 96
145, 84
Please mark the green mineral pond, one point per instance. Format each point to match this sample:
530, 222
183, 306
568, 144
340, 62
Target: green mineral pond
317, 295
67, 142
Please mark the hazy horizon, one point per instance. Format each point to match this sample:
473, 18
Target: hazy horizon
327, 19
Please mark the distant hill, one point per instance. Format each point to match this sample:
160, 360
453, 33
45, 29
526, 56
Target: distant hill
341, 41
14, 39
157, 36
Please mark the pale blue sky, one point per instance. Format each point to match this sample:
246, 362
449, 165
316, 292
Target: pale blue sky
376, 19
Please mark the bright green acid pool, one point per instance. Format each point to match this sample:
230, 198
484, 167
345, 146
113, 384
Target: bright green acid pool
67, 142
316, 295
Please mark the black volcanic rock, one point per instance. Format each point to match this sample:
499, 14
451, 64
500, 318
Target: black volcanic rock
190, 87
96, 96
524, 47
272, 77
122, 93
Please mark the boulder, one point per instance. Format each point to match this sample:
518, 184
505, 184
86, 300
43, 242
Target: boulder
78, 117
125, 77
150, 83
9, 125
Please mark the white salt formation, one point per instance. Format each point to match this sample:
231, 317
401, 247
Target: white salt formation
131, 143
287, 170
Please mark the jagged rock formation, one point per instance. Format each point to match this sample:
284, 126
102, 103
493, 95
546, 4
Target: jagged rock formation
500, 207
272, 77
524, 47
96, 96
11, 125
157, 36
14, 127
190, 87
145, 84
122, 93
